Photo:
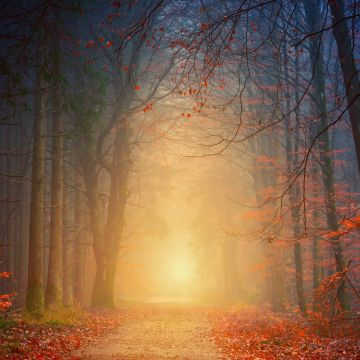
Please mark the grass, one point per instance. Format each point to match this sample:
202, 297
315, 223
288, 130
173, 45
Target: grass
6, 323
57, 318
22, 332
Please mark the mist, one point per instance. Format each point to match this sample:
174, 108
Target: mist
181, 158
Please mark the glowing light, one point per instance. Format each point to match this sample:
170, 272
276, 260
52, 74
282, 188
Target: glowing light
181, 271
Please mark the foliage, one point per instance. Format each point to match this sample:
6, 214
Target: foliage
251, 333
55, 336
6, 299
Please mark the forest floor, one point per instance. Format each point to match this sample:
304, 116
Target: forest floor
160, 332
178, 332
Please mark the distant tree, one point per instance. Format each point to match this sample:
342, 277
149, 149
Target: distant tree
54, 288
35, 287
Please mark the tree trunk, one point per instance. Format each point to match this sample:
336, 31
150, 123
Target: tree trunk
106, 253
99, 296
68, 248
78, 254
292, 162
23, 193
349, 71
110, 280
317, 270
313, 13
54, 289
274, 289
10, 241
22, 235
88, 165
316, 252
35, 287
68, 271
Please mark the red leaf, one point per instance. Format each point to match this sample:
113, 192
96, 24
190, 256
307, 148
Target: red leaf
148, 107
5, 274
137, 87
90, 44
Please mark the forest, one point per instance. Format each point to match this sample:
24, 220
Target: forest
180, 179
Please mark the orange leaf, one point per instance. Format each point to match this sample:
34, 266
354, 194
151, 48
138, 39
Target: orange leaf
148, 107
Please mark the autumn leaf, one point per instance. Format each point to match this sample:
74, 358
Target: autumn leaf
334, 234
137, 87
148, 107
5, 274
90, 44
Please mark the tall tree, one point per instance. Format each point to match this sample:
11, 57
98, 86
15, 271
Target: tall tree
54, 289
313, 16
35, 287
346, 50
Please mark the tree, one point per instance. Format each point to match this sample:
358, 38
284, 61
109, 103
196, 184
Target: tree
35, 287
349, 70
54, 288
313, 16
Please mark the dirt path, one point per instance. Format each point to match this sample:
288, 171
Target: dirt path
157, 332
